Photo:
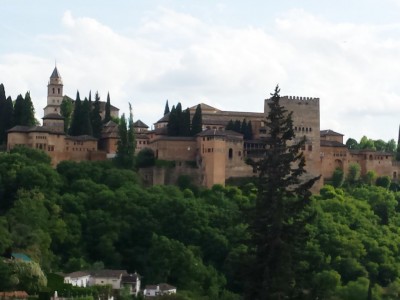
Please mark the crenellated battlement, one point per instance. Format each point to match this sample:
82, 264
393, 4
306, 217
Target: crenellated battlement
300, 98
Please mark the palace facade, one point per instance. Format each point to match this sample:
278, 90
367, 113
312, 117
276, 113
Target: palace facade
212, 156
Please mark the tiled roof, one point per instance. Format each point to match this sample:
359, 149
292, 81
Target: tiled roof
77, 274
53, 116
205, 108
55, 73
140, 124
166, 287
108, 273
329, 132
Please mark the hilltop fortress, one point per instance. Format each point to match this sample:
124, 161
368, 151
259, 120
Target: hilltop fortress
212, 156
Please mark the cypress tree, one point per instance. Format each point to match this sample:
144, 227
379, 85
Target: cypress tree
96, 118
249, 131
185, 126
179, 119
28, 111
76, 122
126, 144
131, 140
107, 113
85, 118
66, 109
197, 121
19, 110
8, 120
278, 220
237, 126
229, 126
243, 128
2, 111
166, 109
172, 126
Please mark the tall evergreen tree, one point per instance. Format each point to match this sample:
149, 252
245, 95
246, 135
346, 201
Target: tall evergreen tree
243, 128
249, 131
237, 126
19, 110
2, 111
28, 111
131, 140
85, 117
229, 126
126, 144
107, 113
185, 124
166, 109
278, 221
8, 113
76, 122
96, 118
173, 123
66, 109
197, 121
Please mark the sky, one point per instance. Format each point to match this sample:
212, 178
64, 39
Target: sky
227, 54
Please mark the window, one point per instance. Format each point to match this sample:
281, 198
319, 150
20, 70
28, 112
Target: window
58, 90
230, 153
54, 90
309, 147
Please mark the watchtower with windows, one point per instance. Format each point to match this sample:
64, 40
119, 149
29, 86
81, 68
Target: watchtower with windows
54, 93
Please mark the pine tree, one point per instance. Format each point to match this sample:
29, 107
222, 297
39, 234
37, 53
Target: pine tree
107, 113
76, 123
97, 125
166, 109
278, 221
197, 121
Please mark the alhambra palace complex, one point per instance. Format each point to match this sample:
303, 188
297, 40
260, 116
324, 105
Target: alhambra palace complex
212, 156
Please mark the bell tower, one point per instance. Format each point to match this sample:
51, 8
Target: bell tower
54, 93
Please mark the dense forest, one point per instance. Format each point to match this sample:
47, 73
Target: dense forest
90, 213
267, 239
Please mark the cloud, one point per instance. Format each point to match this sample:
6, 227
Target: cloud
177, 56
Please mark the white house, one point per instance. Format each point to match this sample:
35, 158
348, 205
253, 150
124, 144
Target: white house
132, 282
80, 278
104, 277
159, 290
